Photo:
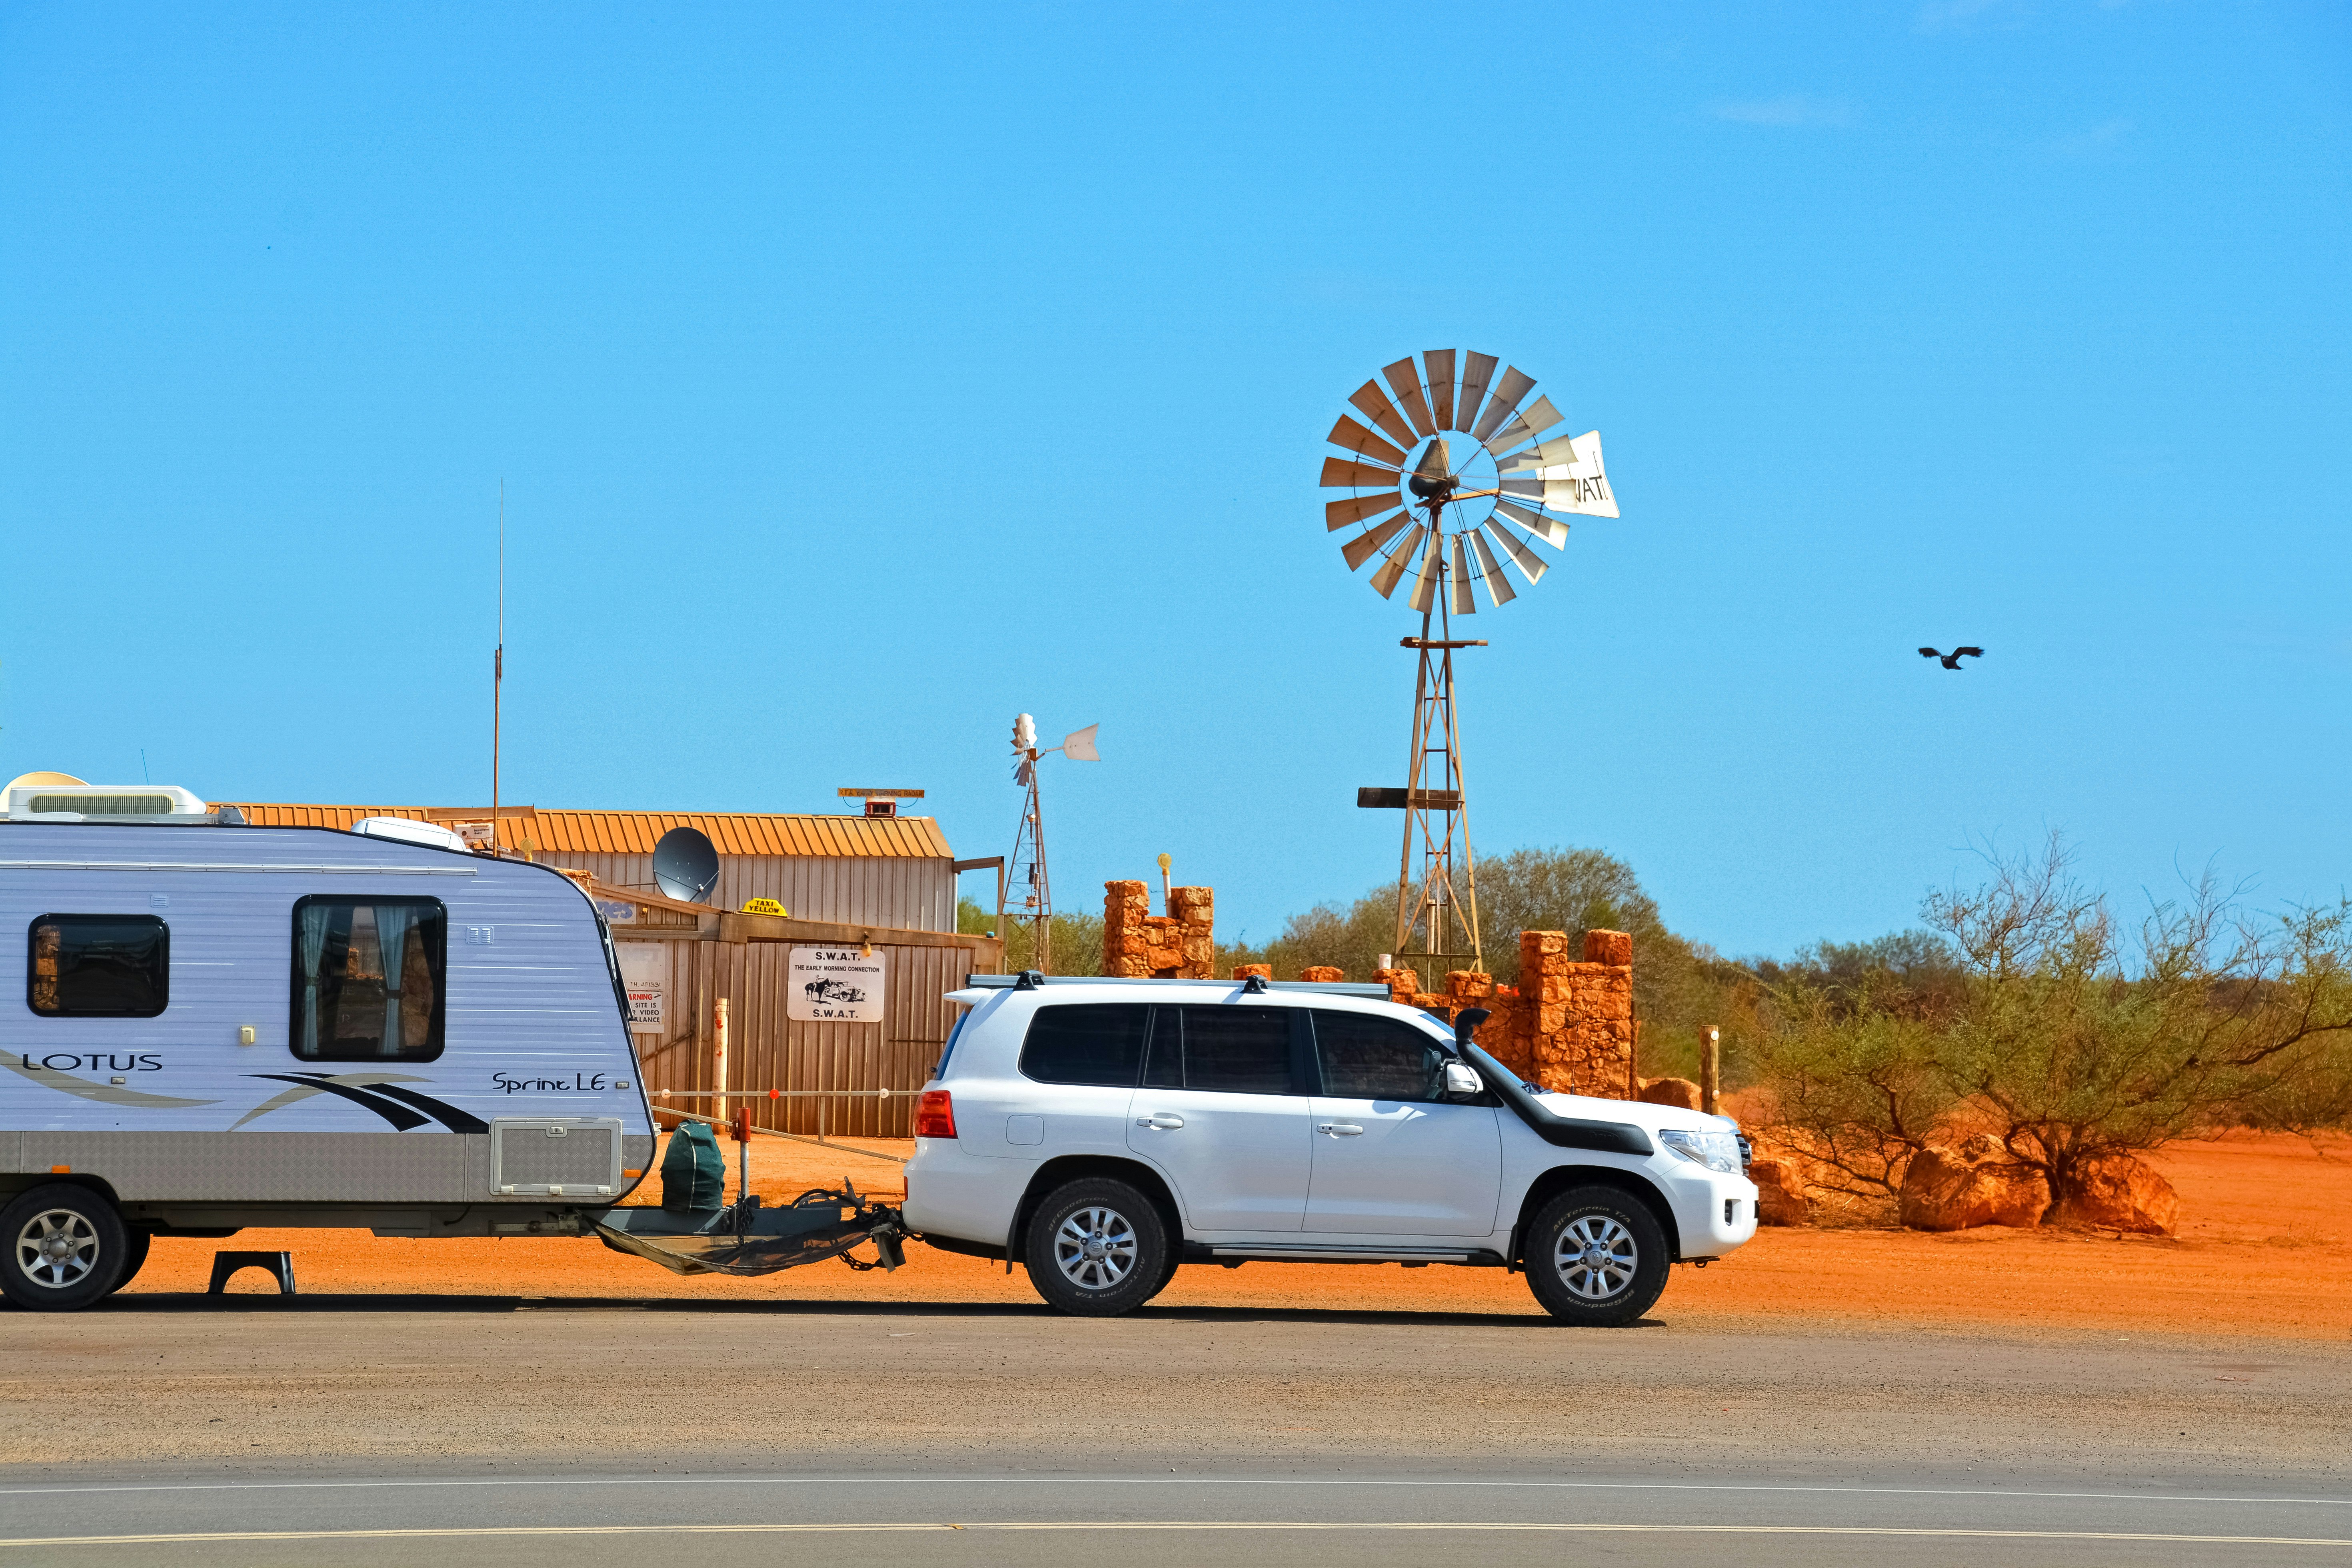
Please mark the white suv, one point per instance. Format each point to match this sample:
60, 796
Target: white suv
1103, 1131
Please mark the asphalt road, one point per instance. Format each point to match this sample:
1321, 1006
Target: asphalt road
313, 1430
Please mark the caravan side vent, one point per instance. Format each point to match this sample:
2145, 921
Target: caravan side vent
555, 1157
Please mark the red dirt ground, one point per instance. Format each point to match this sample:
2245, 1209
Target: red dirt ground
2265, 1248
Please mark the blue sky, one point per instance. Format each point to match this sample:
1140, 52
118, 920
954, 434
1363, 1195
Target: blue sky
861, 377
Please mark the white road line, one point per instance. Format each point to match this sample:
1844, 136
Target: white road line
196, 1537
1325, 1482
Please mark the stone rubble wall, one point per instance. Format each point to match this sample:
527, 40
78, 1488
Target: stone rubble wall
1566, 1025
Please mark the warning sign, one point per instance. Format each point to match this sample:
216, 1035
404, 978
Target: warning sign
644, 968
833, 985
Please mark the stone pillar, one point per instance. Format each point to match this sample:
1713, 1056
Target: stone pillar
1140, 945
1244, 971
1322, 973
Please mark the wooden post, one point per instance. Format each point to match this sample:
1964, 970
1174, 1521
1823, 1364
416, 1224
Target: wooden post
1710, 1068
719, 1060
1634, 1064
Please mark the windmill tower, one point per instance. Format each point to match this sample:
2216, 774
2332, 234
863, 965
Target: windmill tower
1448, 510
1026, 897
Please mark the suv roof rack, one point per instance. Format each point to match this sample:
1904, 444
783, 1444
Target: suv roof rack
1372, 990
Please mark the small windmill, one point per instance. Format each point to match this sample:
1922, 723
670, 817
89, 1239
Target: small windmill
1449, 511
1029, 887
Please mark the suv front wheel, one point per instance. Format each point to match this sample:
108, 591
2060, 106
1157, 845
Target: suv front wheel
1596, 1256
1098, 1248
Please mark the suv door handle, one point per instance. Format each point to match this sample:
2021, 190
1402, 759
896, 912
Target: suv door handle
1161, 1122
1340, 1128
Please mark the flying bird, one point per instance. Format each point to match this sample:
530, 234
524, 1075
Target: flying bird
1952, 659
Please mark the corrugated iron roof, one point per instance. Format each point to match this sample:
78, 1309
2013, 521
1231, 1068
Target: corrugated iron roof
550, 832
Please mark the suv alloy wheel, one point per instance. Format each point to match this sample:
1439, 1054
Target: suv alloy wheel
1097, 1247
1596, 1256
67, 1248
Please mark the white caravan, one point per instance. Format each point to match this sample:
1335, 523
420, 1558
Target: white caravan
210, 1025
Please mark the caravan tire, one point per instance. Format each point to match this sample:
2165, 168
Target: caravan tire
1097, 1247
66, 1248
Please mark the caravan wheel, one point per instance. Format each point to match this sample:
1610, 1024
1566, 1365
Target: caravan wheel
66, 1248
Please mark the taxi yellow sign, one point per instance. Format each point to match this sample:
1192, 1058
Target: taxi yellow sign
764, 907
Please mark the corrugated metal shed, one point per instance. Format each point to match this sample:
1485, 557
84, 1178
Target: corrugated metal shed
859, 870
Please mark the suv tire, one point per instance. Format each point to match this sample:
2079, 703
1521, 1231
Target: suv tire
1597, 1256
1097, 1247
65, 1249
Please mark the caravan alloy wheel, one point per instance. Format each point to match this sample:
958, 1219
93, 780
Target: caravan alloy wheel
67, 1248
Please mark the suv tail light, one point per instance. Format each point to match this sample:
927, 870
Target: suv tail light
935, 1114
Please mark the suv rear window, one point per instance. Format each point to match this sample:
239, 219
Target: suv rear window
1099, 1042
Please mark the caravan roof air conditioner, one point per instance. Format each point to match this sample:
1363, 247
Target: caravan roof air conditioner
118, 803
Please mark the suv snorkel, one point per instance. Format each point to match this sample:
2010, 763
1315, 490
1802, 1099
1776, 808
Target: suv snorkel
1560, 1132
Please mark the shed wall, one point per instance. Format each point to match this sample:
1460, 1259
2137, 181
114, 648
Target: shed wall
903, 894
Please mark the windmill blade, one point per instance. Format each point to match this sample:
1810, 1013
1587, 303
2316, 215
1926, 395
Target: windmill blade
1543, 454
1384, 580
1521, 556
1338, 471
1527, 426
1466, 602
1563, 494
1507, 393
1475, 370
1440, 384
1490, 571
1356, 439
1404, 380
1424, 587
1339, 514
1550, 529
1374, 405
1359, 549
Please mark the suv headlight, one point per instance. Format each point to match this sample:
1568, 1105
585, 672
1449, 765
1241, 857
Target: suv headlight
1716, 1150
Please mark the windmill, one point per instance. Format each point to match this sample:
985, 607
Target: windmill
1447, 511
1030, 889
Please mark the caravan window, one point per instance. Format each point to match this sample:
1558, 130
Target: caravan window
99, 966
367, 979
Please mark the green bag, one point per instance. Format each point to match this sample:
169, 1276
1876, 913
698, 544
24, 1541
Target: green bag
694, 1171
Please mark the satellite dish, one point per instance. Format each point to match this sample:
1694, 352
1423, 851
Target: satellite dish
686, 867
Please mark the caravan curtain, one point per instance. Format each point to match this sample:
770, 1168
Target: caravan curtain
314, 918
391, 925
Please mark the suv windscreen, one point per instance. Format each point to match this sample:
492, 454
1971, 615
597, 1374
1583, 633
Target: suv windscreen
1231, 1050
1364, 1057
1094, 1043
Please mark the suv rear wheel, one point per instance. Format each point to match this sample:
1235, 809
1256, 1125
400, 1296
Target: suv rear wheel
1596, 1256
1097, 1247
67, 1248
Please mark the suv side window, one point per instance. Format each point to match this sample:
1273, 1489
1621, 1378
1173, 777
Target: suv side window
1094, 1043
1368, 1057
1234, 1050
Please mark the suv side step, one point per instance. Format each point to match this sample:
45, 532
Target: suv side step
1476, 1257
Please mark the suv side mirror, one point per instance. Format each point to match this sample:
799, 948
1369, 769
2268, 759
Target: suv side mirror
1462, 1079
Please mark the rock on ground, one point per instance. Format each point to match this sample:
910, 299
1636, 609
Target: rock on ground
2119, 1193
1976, 1183
1678, 1092
1779, 1194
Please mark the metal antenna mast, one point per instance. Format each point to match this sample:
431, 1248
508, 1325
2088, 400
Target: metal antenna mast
498, 669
